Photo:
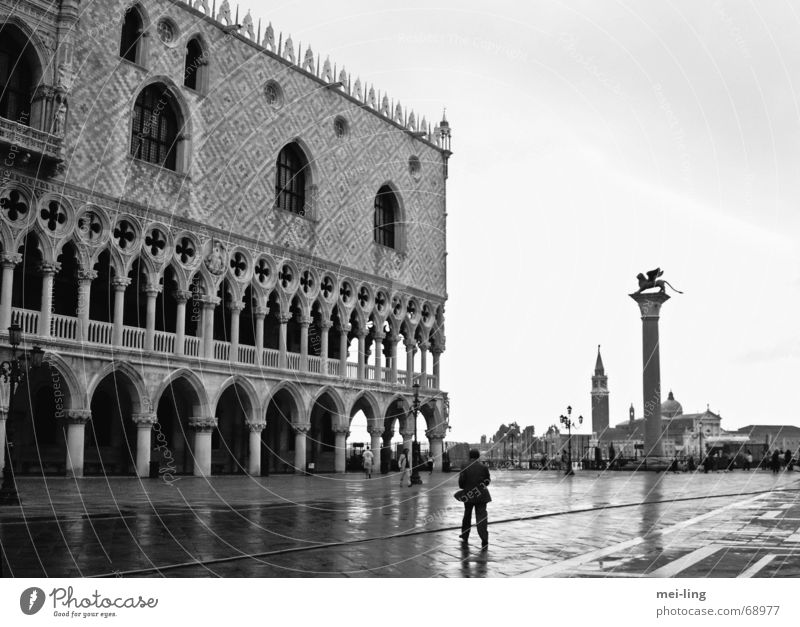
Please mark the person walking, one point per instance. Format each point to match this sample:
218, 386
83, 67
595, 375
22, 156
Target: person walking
405, 468
369, 459
787, 460
776, 461
748, 460
473, 481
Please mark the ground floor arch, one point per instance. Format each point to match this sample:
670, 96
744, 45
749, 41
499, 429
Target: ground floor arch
278, 437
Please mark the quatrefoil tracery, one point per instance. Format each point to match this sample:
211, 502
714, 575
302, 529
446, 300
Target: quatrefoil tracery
14, 205
326, 287
53, 215
124, 234
286, 276
307, 282
238, 264
156, 241
185, 249
262, 271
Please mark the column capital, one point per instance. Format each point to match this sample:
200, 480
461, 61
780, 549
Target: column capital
256, 427
144, 420
77, 416
376, 431
48, 267
283, 318
85, 275
152, 289
305, 320
182, 296
261, 311
301, 427
650, 304
344, 328
119, 283
9, 259
341, 429
235, 306
378, 335
424, 346
409, 344
209, 302
407, 433
437, 432
437, 349
325, 324
361, 333
203, 423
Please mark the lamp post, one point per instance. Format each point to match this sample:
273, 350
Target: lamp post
568, 422
415, 478
13, 372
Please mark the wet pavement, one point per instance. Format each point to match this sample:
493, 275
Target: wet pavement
612, 524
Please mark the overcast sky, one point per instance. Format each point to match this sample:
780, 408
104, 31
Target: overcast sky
592, 141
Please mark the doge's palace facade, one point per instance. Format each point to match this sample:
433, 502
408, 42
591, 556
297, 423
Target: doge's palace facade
226, 245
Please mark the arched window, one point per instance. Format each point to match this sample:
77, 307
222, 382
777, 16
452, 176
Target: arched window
130, 42
386, 213
16, 76
194, 66
290, 180
154, 133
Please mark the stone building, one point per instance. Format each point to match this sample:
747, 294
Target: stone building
226, 245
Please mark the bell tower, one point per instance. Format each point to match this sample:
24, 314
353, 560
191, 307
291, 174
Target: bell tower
599, 397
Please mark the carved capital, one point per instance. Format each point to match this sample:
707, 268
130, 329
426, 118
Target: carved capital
120, 283
650, 304
9, 259
152, 290
340, 429
437, 349
305, 320
409, 344
344, 328
361, 333
378, 335
302, 427
209, 302
237, 306
261, 312
203, 423
144, 421
407, 433
48, 267
85, 276
283, 318
77, 416
326, 324
424, 346
182, 296
376, 431
256, 427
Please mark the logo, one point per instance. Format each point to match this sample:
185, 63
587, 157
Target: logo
31, 601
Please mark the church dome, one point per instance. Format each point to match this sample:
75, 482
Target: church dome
670, 407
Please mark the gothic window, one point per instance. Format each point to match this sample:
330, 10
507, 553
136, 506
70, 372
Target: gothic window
194, 66
386, 211
154, 134
16, 77
130, 43
290, 180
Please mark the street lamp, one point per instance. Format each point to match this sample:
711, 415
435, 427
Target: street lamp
13, 372
568, 422
415, 478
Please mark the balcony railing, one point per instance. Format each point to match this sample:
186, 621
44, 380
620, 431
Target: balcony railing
29, 140
102, 333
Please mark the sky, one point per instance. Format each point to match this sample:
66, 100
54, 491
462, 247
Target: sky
593, 141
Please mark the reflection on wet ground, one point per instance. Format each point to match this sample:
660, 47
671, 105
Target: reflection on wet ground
541, 523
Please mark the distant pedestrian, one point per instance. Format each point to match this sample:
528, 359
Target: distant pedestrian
405, 468
369, 459
748, 460
787, 459
473, 481
776, 461
690, 466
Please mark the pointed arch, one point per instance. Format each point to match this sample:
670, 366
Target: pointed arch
137, 388
342, 418
367, 403
66, 381
194, 382
299, 414
160, 125
250, 395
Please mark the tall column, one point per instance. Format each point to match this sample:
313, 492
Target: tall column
47, 270
376, 442
260, 313
408, 441
236, 310
283, 318
360, 369
151, 292
305, 321
144, 429
181, 298
300, 431
254, 459
203, 426
76, 420
650, 308
410, 347
378, 355
436, 442
85, 278
3, 417
340, 448
8, 261
119, 285
437, 351
394, 341
423, 347
324, 330
209, 305
343, 332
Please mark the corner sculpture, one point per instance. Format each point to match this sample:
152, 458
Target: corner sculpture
652, 280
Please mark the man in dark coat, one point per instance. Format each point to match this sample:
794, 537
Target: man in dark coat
473, 481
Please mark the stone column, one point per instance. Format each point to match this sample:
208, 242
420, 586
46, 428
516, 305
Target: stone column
261, 313
436, 441
378, 355
305, 321
150, 321
410, 347
324, 329
394, 340
85, 278
376, 443
361, 370
236, 310
47, 270
343, 331
209, 305
436, 351
76, 420
340, 448
300, 431
3, 417
144, 429
181, 298
423, 347
9, 262
119, 285
283, 318
650, 308
203, 426
254, 459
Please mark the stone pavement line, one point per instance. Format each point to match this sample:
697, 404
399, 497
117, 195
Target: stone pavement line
580, 560
682, 563
755, 568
